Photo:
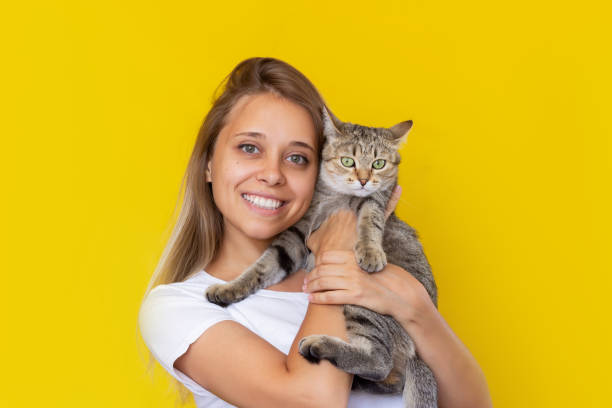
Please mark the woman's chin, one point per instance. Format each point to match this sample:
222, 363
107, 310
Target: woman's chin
263, 234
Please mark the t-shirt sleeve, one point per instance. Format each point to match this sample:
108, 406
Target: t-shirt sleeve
170, 319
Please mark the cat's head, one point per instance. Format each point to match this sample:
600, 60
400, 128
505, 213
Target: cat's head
360, 160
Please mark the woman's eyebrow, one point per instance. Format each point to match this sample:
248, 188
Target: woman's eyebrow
306, 145
253, 134
260, 135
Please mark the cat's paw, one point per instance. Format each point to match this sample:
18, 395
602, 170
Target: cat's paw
224, 294
371, 258
315, 347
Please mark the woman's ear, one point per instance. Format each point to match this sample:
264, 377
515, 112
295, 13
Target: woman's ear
208, 173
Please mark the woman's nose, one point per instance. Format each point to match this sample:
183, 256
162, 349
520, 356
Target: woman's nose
271, 173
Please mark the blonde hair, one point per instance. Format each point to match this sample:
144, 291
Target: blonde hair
198, 231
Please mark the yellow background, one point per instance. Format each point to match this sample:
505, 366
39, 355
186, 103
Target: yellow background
506, 173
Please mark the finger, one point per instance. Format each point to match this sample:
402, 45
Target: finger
329, 283
332, 297
393, 200
325, 270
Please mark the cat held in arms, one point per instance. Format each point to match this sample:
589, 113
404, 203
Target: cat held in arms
358, 171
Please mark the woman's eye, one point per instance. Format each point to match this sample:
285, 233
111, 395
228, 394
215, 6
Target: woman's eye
298, 159
347, 161
379, 164
248, 148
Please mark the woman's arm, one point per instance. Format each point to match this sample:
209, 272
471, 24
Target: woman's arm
337, 279
333, 384
242, 368
461, 381
395, 292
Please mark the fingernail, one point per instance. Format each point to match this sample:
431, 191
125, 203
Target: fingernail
398, 189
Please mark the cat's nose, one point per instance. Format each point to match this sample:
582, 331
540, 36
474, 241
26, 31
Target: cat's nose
363, 181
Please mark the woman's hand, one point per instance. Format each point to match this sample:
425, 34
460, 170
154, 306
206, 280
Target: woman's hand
338, 231
337, 279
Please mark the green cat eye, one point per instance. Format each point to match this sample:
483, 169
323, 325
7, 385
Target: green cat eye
347, 162
379, 164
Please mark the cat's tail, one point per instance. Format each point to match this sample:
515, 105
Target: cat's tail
420, 388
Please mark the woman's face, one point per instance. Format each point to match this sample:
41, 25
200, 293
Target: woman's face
264, 166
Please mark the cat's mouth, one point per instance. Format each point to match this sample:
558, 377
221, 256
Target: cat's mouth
361, 191
265, 203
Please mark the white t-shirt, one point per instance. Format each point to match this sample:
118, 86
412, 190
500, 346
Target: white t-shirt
174, 315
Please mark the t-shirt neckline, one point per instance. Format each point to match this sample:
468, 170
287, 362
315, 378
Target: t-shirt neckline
268, 292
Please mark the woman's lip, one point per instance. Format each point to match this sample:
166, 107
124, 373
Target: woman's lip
263, 211
264, 195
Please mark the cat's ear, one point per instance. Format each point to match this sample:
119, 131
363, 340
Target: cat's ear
400, 131
330, 123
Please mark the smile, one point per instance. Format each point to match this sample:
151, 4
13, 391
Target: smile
263, 202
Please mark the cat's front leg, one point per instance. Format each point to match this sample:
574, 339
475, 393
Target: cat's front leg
284, 257
360, 356
369, 251
261, 274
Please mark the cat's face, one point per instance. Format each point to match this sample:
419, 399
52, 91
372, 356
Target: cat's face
360, 160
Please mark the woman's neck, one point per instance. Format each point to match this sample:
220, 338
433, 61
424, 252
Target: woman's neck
236, 253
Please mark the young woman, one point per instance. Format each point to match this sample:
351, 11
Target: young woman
251, 176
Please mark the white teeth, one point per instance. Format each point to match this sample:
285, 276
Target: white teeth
261, 202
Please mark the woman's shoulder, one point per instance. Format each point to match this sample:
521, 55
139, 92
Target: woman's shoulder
188, 286
178, 301
172, 315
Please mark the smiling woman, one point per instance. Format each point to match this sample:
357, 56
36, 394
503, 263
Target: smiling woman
258, 147
250, 177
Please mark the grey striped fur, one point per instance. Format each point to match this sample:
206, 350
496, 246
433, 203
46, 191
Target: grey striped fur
379, 353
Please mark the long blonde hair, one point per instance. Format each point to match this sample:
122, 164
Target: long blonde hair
198, 231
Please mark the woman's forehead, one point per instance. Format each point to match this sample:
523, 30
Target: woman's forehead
271, 116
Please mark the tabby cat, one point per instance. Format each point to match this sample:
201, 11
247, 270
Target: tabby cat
358, 171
